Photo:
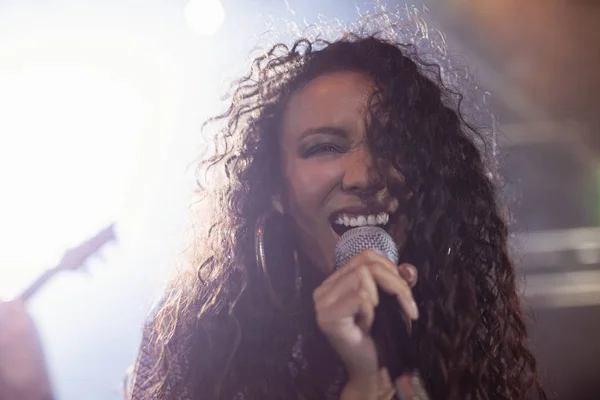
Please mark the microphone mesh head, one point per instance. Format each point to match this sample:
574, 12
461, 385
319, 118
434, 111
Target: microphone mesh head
361, 238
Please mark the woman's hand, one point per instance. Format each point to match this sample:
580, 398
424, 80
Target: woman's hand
23, 372
345, 305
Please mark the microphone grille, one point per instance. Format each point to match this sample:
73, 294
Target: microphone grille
361, 238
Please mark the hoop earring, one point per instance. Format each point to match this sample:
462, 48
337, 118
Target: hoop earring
261, 262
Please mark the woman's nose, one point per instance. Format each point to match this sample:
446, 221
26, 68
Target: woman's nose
360, 174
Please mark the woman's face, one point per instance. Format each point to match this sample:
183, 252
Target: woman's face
330, 183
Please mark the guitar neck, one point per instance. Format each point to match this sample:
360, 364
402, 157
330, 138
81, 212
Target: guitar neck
37, 284
72, 260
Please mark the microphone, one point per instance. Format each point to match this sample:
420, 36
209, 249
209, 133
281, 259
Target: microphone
389, 328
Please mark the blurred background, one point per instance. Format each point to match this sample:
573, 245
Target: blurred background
100, 108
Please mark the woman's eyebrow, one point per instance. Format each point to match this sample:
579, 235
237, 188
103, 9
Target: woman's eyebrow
324, 130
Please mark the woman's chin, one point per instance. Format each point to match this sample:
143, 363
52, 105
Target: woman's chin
320, 260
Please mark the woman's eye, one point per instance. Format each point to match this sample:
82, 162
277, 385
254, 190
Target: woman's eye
321, 149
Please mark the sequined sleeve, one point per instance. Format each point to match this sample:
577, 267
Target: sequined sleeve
144, 377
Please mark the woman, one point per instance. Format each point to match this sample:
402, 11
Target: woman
319, 138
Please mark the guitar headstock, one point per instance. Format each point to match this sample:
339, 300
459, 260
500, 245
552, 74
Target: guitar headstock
76, 257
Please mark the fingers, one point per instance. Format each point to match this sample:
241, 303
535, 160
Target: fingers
367, 271
366, 314
360, 278
348, 318
361, 260
345, 306
358, 261
393, 284
409, 273
386, 388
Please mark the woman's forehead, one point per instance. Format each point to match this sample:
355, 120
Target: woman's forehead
334, 99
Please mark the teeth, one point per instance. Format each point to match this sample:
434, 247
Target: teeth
383, 218
362, 220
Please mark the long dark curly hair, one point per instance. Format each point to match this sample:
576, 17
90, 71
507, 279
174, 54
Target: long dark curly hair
220, 324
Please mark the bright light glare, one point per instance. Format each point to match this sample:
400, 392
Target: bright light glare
204, 17
69, 132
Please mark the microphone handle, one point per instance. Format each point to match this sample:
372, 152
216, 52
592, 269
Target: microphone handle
391, 335
395, 349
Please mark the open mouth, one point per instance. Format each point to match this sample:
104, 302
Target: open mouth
343, 222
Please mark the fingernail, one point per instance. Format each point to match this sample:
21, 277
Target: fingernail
411, 273
409, 270
414, 310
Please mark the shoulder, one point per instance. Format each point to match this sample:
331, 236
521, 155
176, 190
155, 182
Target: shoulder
160, 358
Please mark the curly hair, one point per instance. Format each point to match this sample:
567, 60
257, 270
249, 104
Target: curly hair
219, 324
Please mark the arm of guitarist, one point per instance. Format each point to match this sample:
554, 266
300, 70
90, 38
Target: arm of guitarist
23, 373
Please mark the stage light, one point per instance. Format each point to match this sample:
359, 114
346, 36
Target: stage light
77, 123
